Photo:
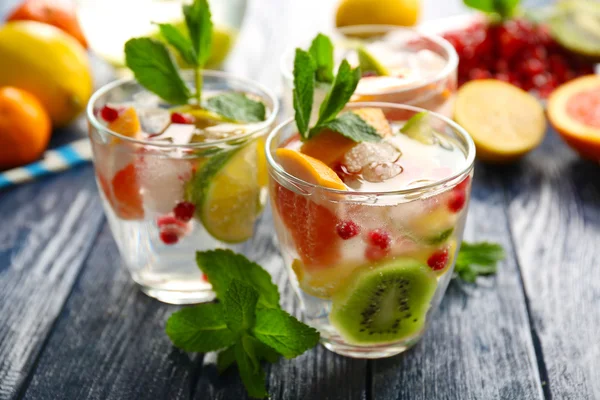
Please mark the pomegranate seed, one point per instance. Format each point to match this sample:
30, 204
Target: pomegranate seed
347, 229
479, 73
463, 184
109, 114
438, 259
169, 237
501, 65
380, 238
533, 67
204, 278
178, 118
501, 76
457, 201
374, 253
184, 211
169, 221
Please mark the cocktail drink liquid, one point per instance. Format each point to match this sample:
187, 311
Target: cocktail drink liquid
370, 241
174, 180
399, 65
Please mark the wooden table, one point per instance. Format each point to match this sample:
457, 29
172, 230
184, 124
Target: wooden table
74, 326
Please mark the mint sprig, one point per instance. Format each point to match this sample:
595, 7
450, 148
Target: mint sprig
476, 259
247, 325
321, 51
236, 107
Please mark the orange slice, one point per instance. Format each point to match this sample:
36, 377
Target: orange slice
574, 111
127, 124
126, 190
309, 169
376, 118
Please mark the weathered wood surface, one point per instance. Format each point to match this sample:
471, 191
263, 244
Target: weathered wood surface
73, 325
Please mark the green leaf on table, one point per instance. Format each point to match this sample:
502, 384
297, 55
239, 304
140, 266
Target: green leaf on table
252, 374
341, 91
225, 359
223, 266
321, 51
304, 89
154, 68
505, 8
198, 21
179, 41
200, 329
284, 333
237, 107
475, 259
351, 126
240, 306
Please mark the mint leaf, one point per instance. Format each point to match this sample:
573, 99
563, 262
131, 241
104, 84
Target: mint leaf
223, 266
341, 91
266, 353
154, 69
505, 8
284, 333
240, 306
351, 126
321, 51
304, 89
237, 107
198, 21
225, 359
475, 259
200, 329
179, 41
252, 377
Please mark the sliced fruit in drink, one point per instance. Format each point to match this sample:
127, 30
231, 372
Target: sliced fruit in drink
431, 227
126, 191
384, 302
312, 226
309, 169
127, 123
322, 283
376, 118
573, 111
368, 62
418, 127
504, 121
227, 194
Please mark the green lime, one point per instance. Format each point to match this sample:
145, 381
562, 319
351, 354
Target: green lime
576, 26
418, 127
226, 193
368, 62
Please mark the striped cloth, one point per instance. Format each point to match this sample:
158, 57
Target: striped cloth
57, 159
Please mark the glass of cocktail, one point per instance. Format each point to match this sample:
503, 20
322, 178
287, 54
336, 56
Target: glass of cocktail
369, 232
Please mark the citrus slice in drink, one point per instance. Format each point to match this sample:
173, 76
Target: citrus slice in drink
573, 111
309, 169
126, 124
127, 199
368, 62
322, 282
504, 121
226, 193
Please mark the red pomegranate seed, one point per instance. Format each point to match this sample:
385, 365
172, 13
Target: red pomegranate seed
479, 73
169, 237
178, 118
438, 259
347, 229
184, 211
501, 65
463, 184
204, 278
457, 200
380, 238
533, 67
374, 253
501, 76
109, 114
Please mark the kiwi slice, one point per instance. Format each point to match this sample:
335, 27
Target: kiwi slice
384, 303
576, 26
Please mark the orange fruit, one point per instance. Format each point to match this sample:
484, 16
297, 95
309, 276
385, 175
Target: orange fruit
52, 12
24, 127
309, 169
574, 111
379, 12
127, 123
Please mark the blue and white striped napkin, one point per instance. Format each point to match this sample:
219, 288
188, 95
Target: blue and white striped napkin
57, 159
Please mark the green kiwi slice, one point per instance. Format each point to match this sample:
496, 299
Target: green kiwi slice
576, 26
384, 303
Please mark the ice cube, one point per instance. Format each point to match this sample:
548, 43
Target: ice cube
379, 172
154, 120
145, 99
366, 154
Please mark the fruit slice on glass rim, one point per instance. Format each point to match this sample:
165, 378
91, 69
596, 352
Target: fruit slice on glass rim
574, 111
226, 193
504, 121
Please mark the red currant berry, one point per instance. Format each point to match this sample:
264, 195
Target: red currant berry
109, 114
374, 253
169, 237
438, 260
347, 229
184, 211
178, 118
457, 200
380, 238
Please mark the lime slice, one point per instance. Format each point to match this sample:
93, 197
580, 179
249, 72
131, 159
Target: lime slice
576, 26
368, 62
226, 193
419, 128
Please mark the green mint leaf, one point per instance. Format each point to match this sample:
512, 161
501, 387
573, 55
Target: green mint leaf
351, 126
505, 8
198, 21
237, 107
225, 359
304, 89
476, 259
253, 378
321, 51
284, 333
266, 353
341, 90
154, 69
179, 41
240, 306
200, 329
223, 266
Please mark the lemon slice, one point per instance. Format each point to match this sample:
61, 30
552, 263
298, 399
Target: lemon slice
504, 121
226, 192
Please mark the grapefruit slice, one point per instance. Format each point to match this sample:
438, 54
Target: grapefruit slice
504, 121
574, 111
126, 194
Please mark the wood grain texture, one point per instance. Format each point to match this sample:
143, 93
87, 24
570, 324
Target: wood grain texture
479, 344
554, 208
47, 230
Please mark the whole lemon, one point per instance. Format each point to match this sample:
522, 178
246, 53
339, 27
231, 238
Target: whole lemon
378, 12
48, 63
